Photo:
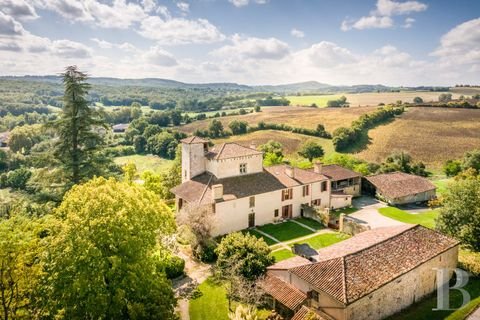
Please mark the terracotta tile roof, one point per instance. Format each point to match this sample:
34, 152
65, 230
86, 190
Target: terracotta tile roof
230, 150
4, 136
336, 172
305, 313
349, 275
289, 263
398, 184
193, 139
120, 126
283, 292
271, 179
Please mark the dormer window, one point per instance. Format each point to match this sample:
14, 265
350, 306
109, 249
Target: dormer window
243, 168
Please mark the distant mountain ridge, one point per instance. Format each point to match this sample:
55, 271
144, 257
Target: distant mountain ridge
303, 87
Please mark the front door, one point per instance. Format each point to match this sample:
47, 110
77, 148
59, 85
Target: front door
251, 220
287, 211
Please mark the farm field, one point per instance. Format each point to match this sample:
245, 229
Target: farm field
145, 162
431, 135
368, 98
331, 118
290, 141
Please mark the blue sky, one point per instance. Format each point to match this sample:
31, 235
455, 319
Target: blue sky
391, 42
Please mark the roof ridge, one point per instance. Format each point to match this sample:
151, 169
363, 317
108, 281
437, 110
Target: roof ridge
205, 189
220, 151
344, 280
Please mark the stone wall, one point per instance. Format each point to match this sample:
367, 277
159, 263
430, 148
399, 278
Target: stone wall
351, 225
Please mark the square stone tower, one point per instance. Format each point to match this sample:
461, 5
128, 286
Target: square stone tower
194, 150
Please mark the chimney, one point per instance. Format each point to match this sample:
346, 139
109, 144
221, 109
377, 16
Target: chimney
217, 191
317, 167
290, 171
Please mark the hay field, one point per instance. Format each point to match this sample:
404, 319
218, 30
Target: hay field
294, 116
369, 98
291, 142
430, 135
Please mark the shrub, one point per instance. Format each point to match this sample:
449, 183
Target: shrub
452, 168
120, 151
469, 261
174, 267
206, 252
185, 236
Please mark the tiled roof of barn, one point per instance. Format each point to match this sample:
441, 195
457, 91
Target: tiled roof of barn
230, 150
283, 292
271, 179
398, 184
289, 263
358, 266
306, 313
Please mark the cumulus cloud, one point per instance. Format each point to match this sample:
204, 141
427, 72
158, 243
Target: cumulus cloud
297, 33
183, 6
253, 48
19, 9
179, 30
70, 49
381, 17
242, 3
9, 26
159, 57
325, 55
109, 45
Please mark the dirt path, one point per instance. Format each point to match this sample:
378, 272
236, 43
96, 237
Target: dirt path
196, 272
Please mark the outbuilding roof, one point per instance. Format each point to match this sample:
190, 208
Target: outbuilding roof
353, 268
336, 172
399, 184
230, 150
283, 292
193, 139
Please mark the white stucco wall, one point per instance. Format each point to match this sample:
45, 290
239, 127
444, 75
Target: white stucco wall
231, 167
232, 215
193, 160
340, 201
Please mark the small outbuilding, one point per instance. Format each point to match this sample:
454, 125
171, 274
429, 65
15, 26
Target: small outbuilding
343, 180
398, 188
4, 139
120, 128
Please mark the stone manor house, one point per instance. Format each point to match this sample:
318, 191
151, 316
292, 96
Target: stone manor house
231, 179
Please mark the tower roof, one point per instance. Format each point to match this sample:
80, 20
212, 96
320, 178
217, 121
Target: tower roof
193, 139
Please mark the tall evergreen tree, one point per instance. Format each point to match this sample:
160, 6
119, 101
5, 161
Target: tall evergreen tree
78, 127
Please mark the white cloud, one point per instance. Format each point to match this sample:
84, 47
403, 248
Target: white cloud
325, 55
159, 57
253, 48
148, 5
70, 49
183, 6
9, 26
369, 22
242, 3
179, 30
109, 45
297, 33
381, 18
408, 23
390, 8
19, 9
461, 45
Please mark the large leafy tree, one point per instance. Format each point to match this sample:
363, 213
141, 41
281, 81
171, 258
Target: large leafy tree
311, 150
79, 140
460, 214
104, 262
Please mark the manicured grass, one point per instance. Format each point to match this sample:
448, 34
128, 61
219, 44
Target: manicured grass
285, 231
257, 234
282, 255
212, 303
310, 222
324, 240
426, 219
441, 185
145, 162
424, 309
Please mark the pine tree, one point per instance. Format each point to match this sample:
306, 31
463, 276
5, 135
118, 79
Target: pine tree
78, 126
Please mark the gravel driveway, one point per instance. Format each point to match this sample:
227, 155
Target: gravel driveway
368, 213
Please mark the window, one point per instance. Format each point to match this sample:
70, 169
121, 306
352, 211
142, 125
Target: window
243, 168
306, 190
324, 186
252, 202
287, 194
275, 213
317, 202
180, 203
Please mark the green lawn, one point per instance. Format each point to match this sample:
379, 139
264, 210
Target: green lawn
426, 219
311, 223
285, 231
344, 211
146, 162
324, 240
423, 309
257, 234
282, 254
319, 100
212, 303
441, 185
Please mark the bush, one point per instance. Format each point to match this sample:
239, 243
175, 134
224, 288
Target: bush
206, 252
120, 151
452, 168
185, 236
469, 261
174, 267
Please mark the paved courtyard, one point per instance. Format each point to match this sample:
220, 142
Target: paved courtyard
368, 213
